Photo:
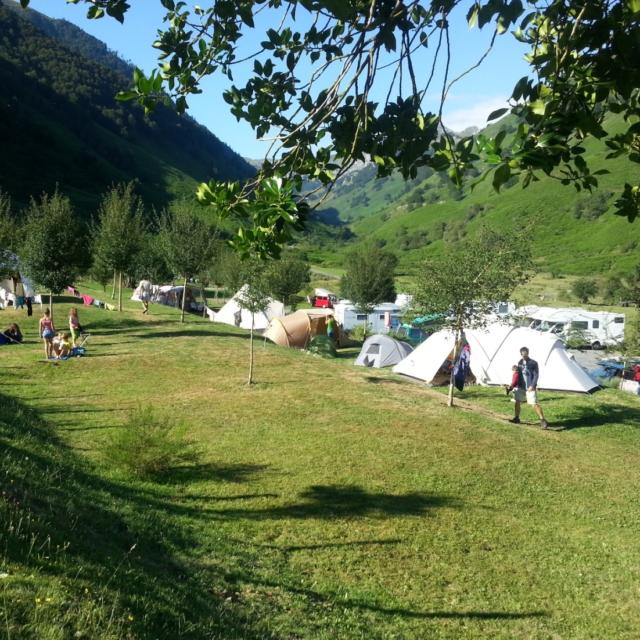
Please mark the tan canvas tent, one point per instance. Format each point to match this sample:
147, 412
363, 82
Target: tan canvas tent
297, 329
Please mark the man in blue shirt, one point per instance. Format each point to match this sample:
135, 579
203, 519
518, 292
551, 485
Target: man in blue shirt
526, 391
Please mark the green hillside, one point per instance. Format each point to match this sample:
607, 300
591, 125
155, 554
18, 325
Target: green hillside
60, 124
326, 502
571, 232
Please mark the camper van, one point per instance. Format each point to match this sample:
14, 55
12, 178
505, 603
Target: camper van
596, 329
384, 317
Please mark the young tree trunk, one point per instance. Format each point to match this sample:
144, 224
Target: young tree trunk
120, 291
113, 291
455, 356
250, 381
204, 302
184, 297
51, 304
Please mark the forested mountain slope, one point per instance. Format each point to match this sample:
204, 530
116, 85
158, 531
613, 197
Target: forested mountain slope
60, 124
571, 232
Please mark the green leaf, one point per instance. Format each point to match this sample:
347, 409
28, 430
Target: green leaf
500, 176
472, 16
633, 5
538, 107
124, 96
494, 115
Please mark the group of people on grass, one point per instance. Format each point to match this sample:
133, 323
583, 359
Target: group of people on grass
60, 345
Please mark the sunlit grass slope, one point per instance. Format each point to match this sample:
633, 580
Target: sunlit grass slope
420, 217
327, 502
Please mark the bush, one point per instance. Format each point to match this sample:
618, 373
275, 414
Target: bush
149, 445
322, 346
584, 288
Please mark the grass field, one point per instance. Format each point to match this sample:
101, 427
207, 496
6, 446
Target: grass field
326, 501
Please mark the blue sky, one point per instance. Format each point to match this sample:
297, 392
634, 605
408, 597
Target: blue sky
469, 102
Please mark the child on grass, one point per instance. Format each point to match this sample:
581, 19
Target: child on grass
508, 388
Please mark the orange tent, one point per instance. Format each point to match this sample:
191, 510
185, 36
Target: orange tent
297, 329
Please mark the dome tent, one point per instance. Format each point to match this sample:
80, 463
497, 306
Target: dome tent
494, 350
297, 329
382, 351
234, 314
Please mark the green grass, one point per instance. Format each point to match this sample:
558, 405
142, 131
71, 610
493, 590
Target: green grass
327, 501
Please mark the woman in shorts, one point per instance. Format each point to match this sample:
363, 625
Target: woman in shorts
47, 331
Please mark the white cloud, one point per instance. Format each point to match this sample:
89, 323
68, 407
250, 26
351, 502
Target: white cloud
474, 115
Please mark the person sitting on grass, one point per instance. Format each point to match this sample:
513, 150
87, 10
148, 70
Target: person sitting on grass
61, 345
11, 335
47, 331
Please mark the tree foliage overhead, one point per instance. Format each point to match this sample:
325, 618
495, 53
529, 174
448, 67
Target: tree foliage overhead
313, 89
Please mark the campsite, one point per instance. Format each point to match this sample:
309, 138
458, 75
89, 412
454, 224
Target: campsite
319, 320
326, 501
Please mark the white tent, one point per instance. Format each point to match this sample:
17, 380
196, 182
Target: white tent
382, 351
425, 360
494, 351
232, 313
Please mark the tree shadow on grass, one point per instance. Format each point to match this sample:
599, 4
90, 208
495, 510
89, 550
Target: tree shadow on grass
331, 545
212, 471
600, 416
192, 333
375, 380
117, 541
337, 600
346, 501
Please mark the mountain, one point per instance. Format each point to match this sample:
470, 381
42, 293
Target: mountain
60, 124
574, 233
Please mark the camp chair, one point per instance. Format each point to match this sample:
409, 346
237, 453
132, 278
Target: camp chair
83, 339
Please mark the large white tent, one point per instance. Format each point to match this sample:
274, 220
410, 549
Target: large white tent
426, 359
494, 351
382, 351
232, 313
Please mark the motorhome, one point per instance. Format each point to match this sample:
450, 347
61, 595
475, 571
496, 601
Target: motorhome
597, 329
384, 316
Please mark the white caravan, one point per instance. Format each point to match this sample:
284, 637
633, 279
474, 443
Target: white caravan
382, 319
597, 328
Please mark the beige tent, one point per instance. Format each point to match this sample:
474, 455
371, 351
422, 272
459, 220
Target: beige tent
297, 329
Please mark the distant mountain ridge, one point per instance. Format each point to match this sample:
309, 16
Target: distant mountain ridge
61, 125
570, 232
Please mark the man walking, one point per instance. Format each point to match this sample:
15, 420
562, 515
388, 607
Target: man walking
526, 391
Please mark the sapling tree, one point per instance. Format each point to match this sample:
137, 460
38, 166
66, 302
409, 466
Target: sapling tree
254, 297
118, 235
369, 278
286, 276
466, 281
52, 246
188, 242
